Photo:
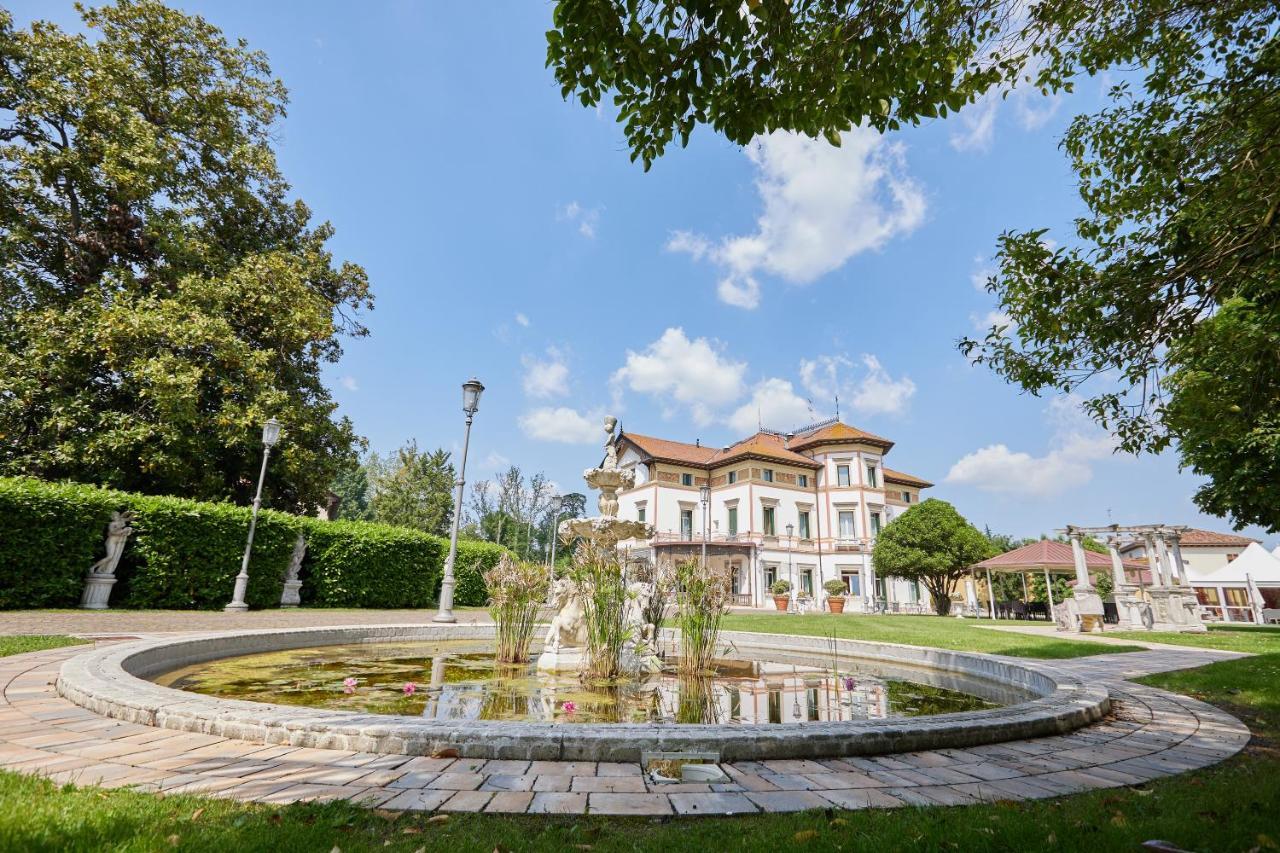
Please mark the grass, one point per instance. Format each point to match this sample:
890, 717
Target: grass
1251, 639
942, 632
1228, 807
17, 645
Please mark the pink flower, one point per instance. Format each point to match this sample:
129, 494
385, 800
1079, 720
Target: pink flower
568, 707
409, 688
348, 685
848, 683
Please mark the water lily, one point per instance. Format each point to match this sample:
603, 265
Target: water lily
410, 688
348, 685
568, 707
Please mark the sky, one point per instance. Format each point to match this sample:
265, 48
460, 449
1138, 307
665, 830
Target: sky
508, 236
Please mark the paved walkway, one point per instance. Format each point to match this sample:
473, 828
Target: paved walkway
1151, 734
107, 623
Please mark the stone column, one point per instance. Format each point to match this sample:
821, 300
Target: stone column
1153, 560
1173, 542
1077, 555
1085, 604
1163, 557
970, 595
869, 589
1117, 566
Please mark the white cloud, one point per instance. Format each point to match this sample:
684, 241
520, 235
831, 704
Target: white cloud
977, 124
546, 377
522, 320
349, 382
984, 322
562, 424
586, 218
773, 404
690, 372
871, 391
1076, 443
495, 461
822, 206
982, 270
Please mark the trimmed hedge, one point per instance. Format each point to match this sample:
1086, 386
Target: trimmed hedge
185, 554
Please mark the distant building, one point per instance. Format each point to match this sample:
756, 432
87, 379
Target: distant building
804, 506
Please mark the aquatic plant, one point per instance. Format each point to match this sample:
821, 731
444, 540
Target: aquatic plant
517, 590
348, 685
597, 578
702, 599
568, 707
410, 688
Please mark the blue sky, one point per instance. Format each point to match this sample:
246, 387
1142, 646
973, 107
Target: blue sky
507, 235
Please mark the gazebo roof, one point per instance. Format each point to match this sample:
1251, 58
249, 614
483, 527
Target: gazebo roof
1047, 554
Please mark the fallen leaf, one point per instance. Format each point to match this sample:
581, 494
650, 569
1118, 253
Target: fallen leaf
445, 753
438, 819
387, 814
839, 822
411, 830
196, 814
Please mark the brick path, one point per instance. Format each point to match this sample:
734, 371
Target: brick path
133, 622
1151, 734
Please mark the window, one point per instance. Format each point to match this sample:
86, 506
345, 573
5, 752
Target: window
846, 525
806, 582
686, 523
804, 525
733, 521
913, 592
770, 575
906, 497
842, 475
802, 480
875, 524
768, 475
769, 527
851, 584
733, 477
640, 514
871, 477
686, 479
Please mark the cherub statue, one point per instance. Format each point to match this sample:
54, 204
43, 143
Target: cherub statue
118, 532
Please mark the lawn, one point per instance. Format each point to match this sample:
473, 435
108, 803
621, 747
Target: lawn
16, 645
1252, 639
942, 632
1228, 807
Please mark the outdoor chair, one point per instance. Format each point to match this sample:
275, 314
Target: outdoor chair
1019, 610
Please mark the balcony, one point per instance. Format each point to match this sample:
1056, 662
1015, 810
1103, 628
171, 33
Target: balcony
840, 544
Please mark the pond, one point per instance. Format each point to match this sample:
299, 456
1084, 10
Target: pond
459, 680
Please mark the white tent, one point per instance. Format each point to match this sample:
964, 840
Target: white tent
1275, 552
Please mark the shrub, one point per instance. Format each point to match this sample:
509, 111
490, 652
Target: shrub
185, 554
835, 588
780, 587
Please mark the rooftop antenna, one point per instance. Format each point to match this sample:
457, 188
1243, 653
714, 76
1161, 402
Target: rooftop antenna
837, 407
759, 420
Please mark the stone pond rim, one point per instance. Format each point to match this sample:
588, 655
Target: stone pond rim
112, 681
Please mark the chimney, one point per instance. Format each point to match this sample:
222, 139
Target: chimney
697, 442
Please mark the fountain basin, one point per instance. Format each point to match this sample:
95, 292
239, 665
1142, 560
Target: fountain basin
113, 681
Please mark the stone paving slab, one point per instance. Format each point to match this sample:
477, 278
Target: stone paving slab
1150, 734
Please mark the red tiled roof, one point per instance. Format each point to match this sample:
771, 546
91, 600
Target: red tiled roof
838, 433
1052, 555
766, 445
671, 451
1207, 538
891, 476
762, 445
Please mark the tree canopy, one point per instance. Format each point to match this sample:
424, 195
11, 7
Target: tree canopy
161, 296
933, 544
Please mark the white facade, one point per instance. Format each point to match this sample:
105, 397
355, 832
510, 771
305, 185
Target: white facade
1235, 578
804, 508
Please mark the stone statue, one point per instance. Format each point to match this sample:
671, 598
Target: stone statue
290, 596
610, 445
569, 628
102, 574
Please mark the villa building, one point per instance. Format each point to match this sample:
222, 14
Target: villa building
804, 507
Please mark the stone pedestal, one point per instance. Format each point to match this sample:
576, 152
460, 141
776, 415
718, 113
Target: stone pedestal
1081, 612
1133, 614
1175, 608
564, 660
290, 596
97, 592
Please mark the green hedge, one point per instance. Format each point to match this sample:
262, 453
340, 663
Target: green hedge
185, 554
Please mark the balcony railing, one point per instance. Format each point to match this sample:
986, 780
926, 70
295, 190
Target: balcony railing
828, 544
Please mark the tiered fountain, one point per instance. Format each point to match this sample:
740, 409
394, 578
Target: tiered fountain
566, 640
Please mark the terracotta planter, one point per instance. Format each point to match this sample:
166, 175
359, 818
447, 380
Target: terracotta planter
836, 604
781, 602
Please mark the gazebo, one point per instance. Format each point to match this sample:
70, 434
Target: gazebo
1050, 558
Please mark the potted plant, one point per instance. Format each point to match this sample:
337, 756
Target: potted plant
781, 590
835, 594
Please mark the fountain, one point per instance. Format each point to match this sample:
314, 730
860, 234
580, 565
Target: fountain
565, 646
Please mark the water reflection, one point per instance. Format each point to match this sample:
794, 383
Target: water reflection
460, 682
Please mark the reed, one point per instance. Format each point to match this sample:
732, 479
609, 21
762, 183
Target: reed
702, 600
596, 573
516, 592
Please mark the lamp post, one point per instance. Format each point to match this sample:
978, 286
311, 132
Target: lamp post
471, 390
555, 534
270, 435
791, 569
705, 494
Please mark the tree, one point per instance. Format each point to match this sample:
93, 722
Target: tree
351, 485
413, 489
160, 294
1164, 305
931, 543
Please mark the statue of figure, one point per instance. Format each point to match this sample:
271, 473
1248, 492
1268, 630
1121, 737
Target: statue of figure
118, 532
569, 627
639, 596
295, 561
610, 444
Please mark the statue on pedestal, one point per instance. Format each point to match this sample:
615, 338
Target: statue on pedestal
289, 596
102, 574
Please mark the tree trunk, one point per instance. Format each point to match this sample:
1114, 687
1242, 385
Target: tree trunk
941, 603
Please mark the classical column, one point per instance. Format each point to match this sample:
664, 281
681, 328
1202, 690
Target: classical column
1173, 543
1077, 556
1117, 566
1153, 560
1166, 562
869, 594
971, 593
